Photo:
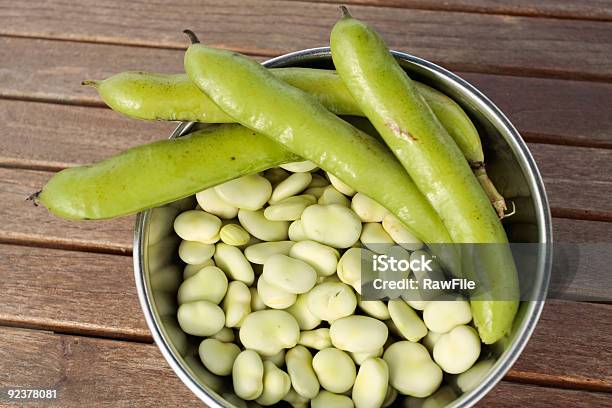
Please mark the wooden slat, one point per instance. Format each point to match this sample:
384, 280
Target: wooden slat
575, 190
516, 395
567, 171
578, 180
551, 110
89, 371
43, 229
585, 9
22, 222
577, 276
95, 372
67, 291
563, 351
79, 292
475, 42
55, 71
51, 137
581, 231
548, 110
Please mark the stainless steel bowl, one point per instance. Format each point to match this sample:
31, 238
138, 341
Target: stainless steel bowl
158, 271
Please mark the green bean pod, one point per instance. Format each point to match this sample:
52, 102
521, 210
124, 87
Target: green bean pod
391, 101
257, 99
161, 172
152, 96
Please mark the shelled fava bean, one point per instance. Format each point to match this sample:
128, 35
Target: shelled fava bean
273, 283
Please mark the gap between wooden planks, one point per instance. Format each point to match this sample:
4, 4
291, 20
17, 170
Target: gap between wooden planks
600, 10
468, 41
99, 371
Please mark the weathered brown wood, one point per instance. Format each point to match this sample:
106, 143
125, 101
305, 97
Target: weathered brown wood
588, 10
551, 110
55, 70
565, 339
511, 395
68, 291
575, 189
23, 222
546, 110
575, 275
567, 171
581, 231
96, 372
34, 226
51, 137
89, 371
474, 42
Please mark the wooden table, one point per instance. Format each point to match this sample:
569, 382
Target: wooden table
69, 315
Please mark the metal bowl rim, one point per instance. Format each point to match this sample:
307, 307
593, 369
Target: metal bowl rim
530, 171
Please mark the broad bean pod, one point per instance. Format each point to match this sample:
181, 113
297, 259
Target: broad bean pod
391, 101
153, 96
130, 181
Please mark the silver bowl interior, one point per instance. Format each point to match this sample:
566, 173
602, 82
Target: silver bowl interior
158, 271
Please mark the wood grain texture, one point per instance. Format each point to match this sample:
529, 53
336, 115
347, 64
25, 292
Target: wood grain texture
25, 223
29, 225
98, 372
567, 171
575, 189
510, 395
89, 371
55, 70
565, 339
546, 110
474, 42
585, 9
93, 294
581, 231
67, 291
551, 110
52, 137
